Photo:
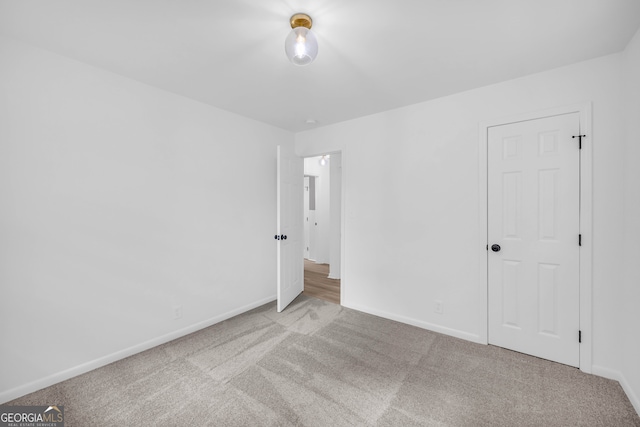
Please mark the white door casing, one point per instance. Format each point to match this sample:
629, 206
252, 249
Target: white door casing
306, 217
289, 230
313, 236
533, 189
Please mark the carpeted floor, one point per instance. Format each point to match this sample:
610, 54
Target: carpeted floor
319, 364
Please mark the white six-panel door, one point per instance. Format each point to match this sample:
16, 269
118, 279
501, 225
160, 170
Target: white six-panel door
533, 215
289, 234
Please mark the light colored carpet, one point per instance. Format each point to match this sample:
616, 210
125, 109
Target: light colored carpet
319, 364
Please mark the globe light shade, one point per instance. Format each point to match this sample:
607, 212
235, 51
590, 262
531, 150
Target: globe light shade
301, 46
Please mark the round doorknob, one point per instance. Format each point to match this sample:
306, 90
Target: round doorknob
495, 248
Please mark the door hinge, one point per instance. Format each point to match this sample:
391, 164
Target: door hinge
579, 140
579, 239
579, 336
487, 247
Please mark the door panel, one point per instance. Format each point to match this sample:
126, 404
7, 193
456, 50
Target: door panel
290, 263
533, 214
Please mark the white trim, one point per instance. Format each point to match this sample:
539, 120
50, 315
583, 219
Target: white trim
50, 380
419, 323
586, 250
586, 220
343, 223
483, 230
618, 376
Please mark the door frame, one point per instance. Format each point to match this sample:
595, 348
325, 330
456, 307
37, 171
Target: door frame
585, 221
343, 216
305, 200
307, 225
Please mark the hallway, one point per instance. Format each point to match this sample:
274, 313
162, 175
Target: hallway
318, 285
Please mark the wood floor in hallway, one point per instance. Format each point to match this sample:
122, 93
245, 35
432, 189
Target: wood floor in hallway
318, 285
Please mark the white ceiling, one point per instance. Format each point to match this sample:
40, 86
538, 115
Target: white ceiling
374, 55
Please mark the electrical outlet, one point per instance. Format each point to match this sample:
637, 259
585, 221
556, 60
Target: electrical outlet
439, 307
177, 312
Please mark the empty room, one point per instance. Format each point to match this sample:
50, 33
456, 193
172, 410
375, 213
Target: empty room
478, 166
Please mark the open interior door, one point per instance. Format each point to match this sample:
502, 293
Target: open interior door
289, 237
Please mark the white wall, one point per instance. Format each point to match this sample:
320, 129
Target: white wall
412, 229
630, 313
321, 233
119, 202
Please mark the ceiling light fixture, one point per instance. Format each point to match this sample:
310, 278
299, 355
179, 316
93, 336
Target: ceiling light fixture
301, 44
323, 160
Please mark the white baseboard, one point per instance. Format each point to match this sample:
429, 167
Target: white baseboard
606, 372
50, 380
618, 376
419, 323
633, 397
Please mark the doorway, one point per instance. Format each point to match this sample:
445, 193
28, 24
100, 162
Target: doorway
322, 226
534, 214
535, 208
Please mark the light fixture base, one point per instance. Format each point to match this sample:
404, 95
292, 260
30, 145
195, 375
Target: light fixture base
301, 20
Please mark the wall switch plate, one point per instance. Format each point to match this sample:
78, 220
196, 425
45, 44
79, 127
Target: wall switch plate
177, 312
